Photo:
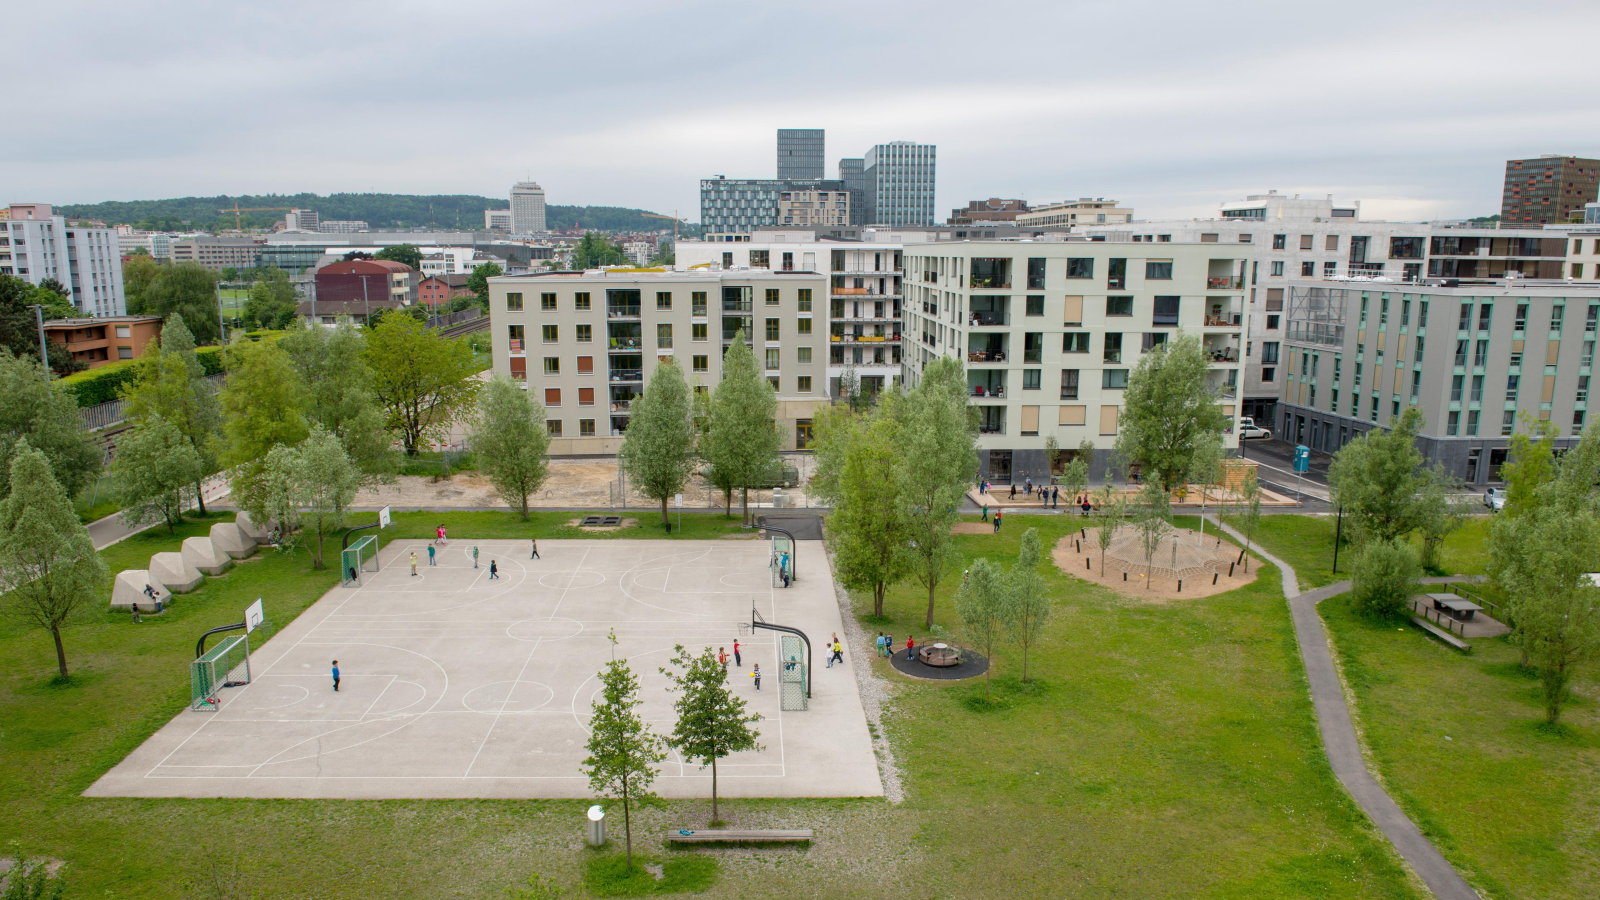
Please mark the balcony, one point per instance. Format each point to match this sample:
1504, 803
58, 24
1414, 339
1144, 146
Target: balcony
620, 344
995, 319
738, 305
627, 375
1222, 313
622, 312
622, 407
865, 338
1224, 283
989, 384
982, 357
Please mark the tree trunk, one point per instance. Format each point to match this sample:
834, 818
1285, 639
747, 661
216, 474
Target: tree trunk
200, 494
714, 816
524, 507
877, 599
933, 585
318, 559
61, 652
744, 504
664, 519
627, 826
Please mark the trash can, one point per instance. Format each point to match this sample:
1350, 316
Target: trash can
669, 526
596, 826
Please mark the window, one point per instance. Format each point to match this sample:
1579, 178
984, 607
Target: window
552, 427
1521, 323
1272, 322
1117, 273
1279, 240
1036, 305
1308, 269
1075, 342
1405, 313
701, 362
1456, 384
1305, 241
1114, 379
580, 300
664, 336
805, 299
1356, 382
1477, 389
1069, 384
1417, 356
1512, 383
513, 304
772, 329
1269, 352
1332, 244
1416, 384
547, 302
773, 380
1030, 379
761, 259
124, 353
1152, 340
1589, 324
698, 331
727, 260
1453, 423
1036, 274
585, 396
1158, 270
1330, 269
697, 302
1113, 352
552, 396
585, 334
1269, 374
1277, 267
1485, 312
1557, 312
802, 384
1577, 270
1208, 238
772, 296
663, 299
1508, 422
550, 334
803, 355
1480, 354
1472, 423
1166, 311
1577, 421
552, 365
772, 359
1422, 315
1461, 353
1246, 238
1588, 354
585, 365
1080, 267
585, 428
1466, 317
1119, 306
1583, 389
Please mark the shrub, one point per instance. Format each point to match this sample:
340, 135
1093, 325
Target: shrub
1383, 578
105, 384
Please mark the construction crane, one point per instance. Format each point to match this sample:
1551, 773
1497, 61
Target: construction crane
237, 218
675, 221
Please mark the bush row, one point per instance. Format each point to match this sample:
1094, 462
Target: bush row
104, 384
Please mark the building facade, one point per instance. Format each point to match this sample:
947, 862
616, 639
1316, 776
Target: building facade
104, 340
993, 209
1474, 359
301, 220
853, 172
738, 206
900, 179
497, 219
36, 244
218, 253
801, 154
436, 291
527, 208
586, 344
1085, 211
1050, 330
366, 281
1549, 190
341, 226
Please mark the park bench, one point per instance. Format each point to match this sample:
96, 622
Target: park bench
739, 835
1441, 634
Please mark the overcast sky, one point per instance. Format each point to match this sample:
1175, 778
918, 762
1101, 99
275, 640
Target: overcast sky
1410, 107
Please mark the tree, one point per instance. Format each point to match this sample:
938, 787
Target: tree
1383, 578
595, 250
190, 290
712, 722
156, 468
273, 302
46, 415
1030, 605
1169, 412
743, 441
138, 274
52, 570
328, 481
269, 489
1052, 453
850, 387
423, 382
170, 382
19, 330
407, 254
1113, 507
939, 433
1444, 511
1380, 480
478, 281
1556, 606
623, 752
658, 447
983, 603
701, 418
1075, 474
859, 467
1530, 464
261, 403
1151, 521
510, 441
1247, 511
338, 394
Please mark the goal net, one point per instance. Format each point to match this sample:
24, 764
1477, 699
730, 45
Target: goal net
225, 665
793, 674
362, 556
782, 562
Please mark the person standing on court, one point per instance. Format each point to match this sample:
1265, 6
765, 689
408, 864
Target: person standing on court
997, 521
431, 561
736, 660
336, 675
494, 570
535, 542
722, 656
755, 673
838, 652
474, 556
911, 645
414, 563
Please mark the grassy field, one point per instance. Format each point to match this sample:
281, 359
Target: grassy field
1306, 543
1164, 750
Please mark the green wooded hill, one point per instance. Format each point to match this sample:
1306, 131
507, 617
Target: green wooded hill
451, 211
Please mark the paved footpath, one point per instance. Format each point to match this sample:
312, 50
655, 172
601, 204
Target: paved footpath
109, 530
1339, 737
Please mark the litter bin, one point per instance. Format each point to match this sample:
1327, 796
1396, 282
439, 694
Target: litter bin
596, 826
669, 526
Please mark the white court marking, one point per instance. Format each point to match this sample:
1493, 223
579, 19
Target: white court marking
458, 685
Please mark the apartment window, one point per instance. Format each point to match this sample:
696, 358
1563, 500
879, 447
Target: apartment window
1472, 423
1269, 352
1477, 389
1416, 384
805, 299
580, 300
1075, 342
772, 329
1158, 270
1308, 269
1577, 421
772, 296
802, 384
1417, 356
1512, 383
1080, 267
585, 365
1036, 274
803, 355
1508, 422
1277, 267
1119, 306
513, 304
550, 334
1383, 312
760, 259
1593, 320
1466, 317
1279, 240
124, 353
585, 428
1521, 323
803, 326
1373, 416
701, 362
1588, 354
1113, 352
1422, 315
1456, 384
1356, 381
1485, 312
1405, 313
552, 427
1577, 270
1583, 389
1332, 244
1269, 374
697, 302
1461, 353
1035, 305
727, 260
1516, 359
1069, 384
1305, 241
1117, 273
547, 302
664, 336
1114, 379
1166, 311
1480, 354
552, 365
1330, 269
585, 396
1452, 423
1272, 322
772, 359
773, 380
699, 331
1030, 379
1557, 313
663, 299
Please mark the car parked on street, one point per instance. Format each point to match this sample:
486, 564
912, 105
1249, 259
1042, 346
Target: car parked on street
1495, 499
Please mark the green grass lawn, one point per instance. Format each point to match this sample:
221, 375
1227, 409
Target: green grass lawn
1306, 543
1165, 750
1461, 745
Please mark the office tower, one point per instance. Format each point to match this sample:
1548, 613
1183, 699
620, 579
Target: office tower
853, 172
37, 244
740, 205
800, 153
1545, 191
900, 179
527, 208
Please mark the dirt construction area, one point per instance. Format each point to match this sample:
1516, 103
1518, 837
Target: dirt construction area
455, 683
1183, 555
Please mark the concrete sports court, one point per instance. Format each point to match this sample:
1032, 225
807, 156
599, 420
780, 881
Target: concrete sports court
456, 685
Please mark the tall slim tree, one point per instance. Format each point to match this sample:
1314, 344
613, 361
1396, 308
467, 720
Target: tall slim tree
623, 751
261, 403
172, 383
190, 290
1112, 508
46, 415
53, 573
1169, 412
329, 480
155, 469
859, 462
510, 442
1381, 481
743, 442
938, 433
1530, 464
1075, 474
658, 447
712, 721
1152, 521
1247, 512
1030, 604
983, 604
338, 394
424, 383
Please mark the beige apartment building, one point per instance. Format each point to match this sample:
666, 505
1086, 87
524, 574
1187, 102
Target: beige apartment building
586, 344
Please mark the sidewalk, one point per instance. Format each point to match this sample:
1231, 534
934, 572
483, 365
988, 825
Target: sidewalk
110, 530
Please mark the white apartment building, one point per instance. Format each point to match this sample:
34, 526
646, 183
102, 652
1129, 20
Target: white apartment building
527, 208
641, 252
300, 220
587, 343
341, 226
447, 260
36, 244
497, 219
1084, 211
1049, 331
812, 207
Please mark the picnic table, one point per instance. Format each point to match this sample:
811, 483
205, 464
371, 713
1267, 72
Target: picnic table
1458, 608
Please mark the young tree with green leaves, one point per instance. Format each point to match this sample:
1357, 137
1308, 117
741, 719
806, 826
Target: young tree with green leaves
332, 365
478, 281
1556, 606
261, 403
1169, 413
1075, 474
54, 574
328, 482
1112, 510
984, 605
859, 466
1030, 604
405, 254
658, 447
189, 290
272, 492
1530, 464
1382, 482
594, 250
1383, 578
273, 302
510, 442
712, 721
938, 433
743, 442
155, 471
423, 382
46, 416
172, 383
1152, 521
623, 751
701, 417
1246, 511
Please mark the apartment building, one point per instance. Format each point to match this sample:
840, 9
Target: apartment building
218, 253
1551, 189
801, 153
103, 340
301, 220
826, 204
527, 208
497, 219
853, 172
901, 177
993, 209
1072, 213
1050, 330
587, 343
36, 244
738, 206
342, 226
1472, 357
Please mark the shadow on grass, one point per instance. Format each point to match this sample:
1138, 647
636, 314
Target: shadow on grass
1005, 692
610, 875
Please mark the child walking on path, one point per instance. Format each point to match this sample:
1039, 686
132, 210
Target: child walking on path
414, 563
494, 571
535, 548
755, 673
431, 561
336, 675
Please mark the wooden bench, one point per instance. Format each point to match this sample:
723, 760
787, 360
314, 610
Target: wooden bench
1441, 634
739, 835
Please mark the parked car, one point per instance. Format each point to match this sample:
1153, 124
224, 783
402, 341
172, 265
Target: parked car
1248, 429
1495, 499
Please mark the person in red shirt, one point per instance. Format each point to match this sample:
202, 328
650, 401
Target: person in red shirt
736, 660
910, 645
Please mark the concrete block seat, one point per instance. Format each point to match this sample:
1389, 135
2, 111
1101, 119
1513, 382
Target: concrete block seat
229, 538
204, 556
128, 591
250, 529
173, 572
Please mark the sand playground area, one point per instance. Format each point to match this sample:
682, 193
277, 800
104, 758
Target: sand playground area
1203, 565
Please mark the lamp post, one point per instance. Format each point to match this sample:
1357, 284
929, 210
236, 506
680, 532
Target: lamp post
44, 354
366, 305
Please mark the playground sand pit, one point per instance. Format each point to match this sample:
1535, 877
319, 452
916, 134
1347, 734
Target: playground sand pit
1198, 560
572, 483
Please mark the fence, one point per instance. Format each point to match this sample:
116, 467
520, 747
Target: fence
455, 318
106, 415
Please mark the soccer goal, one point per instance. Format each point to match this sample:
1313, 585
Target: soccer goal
782, 562
793, 689
360, 557
225, 665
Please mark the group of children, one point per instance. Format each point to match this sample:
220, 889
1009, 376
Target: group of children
442, 538
885, 642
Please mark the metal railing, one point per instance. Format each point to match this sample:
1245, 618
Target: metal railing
111, 413
455, 318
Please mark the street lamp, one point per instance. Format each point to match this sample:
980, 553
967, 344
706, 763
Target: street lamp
366, 305
44, 354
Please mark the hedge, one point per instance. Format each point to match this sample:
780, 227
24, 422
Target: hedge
104, 384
